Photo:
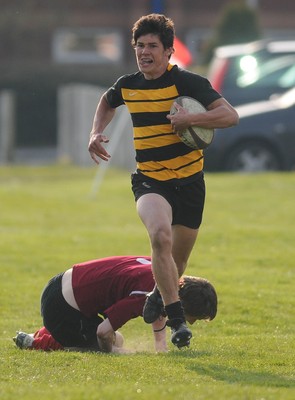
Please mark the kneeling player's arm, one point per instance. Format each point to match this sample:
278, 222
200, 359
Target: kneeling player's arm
105, 336
118, 340
159, 329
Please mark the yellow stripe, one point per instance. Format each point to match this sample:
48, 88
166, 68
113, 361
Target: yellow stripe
149, 168
152, 130
173, 164
149, 94
159, 106
157, 142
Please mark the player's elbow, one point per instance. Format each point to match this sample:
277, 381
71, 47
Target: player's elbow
235, 119
231, 119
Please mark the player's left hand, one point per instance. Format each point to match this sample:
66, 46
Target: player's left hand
179, 120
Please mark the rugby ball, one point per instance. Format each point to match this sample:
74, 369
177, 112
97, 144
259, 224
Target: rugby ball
194, 136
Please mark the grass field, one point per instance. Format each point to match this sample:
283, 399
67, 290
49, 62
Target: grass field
246, 248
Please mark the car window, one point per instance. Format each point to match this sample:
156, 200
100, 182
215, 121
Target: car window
287, 80
241, 65
229, 72
279, 72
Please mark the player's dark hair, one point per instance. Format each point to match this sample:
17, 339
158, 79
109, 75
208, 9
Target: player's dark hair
156, 24
198, 297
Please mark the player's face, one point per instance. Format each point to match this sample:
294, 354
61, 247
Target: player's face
152, 59
190, 319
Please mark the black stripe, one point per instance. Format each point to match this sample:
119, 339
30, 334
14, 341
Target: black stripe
163, 153
148, 119
155, 136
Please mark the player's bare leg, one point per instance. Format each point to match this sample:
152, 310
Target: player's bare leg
183, 240
156, 215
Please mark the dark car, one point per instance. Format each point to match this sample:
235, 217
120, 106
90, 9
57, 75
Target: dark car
264, 140
254, 71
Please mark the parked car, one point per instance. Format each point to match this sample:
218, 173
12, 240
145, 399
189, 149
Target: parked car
253, 71
264, 140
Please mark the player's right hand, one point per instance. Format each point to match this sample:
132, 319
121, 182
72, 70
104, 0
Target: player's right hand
96, 149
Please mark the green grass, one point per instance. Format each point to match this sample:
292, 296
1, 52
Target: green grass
48, 221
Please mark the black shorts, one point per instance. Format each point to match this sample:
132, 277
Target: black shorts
66, 324
186, 200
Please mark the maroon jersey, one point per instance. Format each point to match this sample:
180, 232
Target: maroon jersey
114, 287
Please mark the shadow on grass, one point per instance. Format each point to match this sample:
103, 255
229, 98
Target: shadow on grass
187, 353
233, 375
230, 375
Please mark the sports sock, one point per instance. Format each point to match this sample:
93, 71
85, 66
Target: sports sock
175, 312
44, 341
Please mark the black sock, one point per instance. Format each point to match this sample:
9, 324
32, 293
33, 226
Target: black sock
175, 311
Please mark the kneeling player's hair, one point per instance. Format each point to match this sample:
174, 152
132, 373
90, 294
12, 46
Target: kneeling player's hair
198, 297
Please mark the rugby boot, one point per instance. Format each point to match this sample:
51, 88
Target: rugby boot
180, 334
23, 340
153, 307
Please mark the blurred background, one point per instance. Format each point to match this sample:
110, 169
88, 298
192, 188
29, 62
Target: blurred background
57, 57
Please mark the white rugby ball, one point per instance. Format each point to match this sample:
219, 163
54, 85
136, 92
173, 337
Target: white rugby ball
194, 136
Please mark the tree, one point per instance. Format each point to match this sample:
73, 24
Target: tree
238, 24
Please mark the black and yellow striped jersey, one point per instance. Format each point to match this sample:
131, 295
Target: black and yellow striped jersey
160, 154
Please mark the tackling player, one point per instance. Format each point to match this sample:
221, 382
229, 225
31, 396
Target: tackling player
86, 305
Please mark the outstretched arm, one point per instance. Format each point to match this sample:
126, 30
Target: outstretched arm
103, 116
159, 329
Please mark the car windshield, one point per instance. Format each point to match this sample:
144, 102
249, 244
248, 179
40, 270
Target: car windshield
279, 72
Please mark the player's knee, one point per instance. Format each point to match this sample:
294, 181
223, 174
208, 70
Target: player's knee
161, 240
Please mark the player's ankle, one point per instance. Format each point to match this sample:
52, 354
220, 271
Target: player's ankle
175, 312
